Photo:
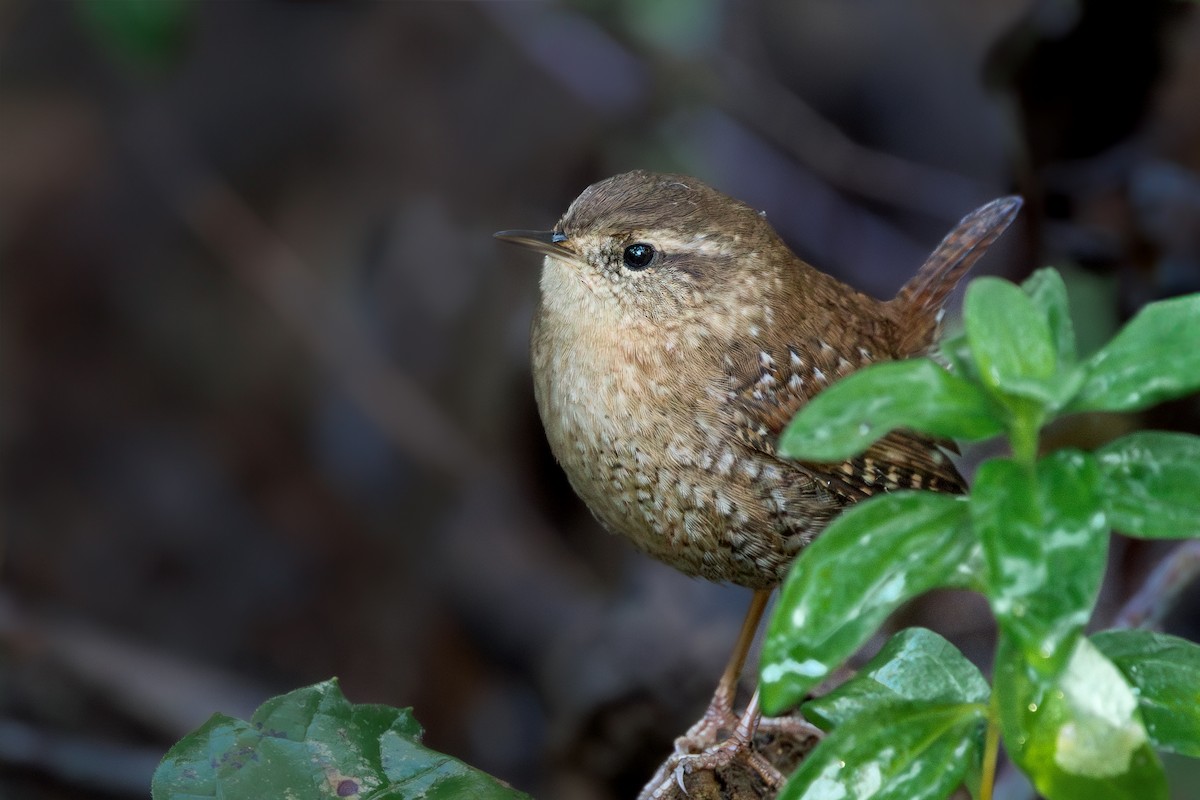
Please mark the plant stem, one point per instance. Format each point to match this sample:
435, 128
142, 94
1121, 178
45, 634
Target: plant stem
991, 751
1023, 436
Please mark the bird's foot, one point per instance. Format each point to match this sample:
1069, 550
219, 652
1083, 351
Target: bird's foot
718, 724
724, 757
732, 768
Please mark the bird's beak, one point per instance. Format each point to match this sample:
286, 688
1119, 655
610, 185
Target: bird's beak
549, 243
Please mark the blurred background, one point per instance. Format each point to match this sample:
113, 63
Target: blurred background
265, 404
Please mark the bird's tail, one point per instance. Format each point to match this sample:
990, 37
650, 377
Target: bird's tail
918, 305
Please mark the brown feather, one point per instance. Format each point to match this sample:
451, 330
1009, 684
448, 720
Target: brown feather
917, 307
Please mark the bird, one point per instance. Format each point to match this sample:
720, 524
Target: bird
675, 337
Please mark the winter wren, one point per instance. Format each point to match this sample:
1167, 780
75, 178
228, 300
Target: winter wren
676, 336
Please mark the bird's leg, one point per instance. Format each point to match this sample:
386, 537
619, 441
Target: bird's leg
719, 714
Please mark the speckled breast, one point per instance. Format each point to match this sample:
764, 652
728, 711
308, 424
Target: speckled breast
653, 467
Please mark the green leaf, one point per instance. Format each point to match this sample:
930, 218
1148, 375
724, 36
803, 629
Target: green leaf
915, 665
1155, 357
1010, 341
955, 351
1048, 292
313, 743
872, 558
1165, 673
145, 32
909, 751
1149, 483
849, 416
1045, 541
1078, 735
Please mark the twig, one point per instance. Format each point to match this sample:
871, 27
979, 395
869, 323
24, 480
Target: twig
257, 256
788, 122
400, 409
575, 52
1149, 606
562, 43
164, 692
119, 769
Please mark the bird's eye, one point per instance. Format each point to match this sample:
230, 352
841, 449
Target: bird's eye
639, 256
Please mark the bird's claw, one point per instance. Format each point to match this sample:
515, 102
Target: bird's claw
733, 761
